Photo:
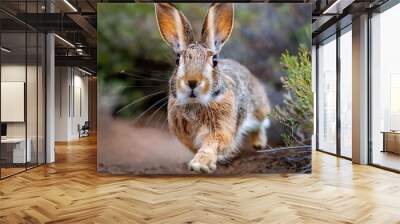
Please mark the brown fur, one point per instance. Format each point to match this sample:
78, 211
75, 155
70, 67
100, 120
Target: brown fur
217, 119
259, 99
170, 31
194, 57
229, 102
221, 25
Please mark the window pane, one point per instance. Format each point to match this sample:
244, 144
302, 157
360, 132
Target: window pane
386, 89
327, 97
22, 88
346, 94
31, 97
41, 98
14, 153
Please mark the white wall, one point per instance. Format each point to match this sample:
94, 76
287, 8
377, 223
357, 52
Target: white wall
62, 81
71, 94
80, 111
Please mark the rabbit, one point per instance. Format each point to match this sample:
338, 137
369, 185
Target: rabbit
213, 103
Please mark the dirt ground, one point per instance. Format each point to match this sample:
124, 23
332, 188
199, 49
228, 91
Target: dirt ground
123, 148
127, 149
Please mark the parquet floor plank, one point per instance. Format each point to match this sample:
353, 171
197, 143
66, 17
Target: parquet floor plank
70, 191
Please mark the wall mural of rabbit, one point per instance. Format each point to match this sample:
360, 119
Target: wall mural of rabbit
213, 103
196, 88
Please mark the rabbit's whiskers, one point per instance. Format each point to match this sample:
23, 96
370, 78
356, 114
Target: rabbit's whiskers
155, 112
151, 76
161, 74
164, 74
160, 123
142, 78
149, 79
169, 109
148, 109
139, 100
140, 86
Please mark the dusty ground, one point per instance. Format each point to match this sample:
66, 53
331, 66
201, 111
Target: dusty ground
127, 149
123, 148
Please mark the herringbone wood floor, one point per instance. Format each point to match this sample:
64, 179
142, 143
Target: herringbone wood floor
70, 191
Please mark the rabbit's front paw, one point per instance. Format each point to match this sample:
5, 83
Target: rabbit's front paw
203, 162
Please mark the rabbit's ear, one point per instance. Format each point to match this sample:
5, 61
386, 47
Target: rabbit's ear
174, 27
217, 26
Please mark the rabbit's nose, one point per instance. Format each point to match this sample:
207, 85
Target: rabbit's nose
192, 84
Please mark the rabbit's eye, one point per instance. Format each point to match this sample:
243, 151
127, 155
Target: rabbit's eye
177, 59
215, 60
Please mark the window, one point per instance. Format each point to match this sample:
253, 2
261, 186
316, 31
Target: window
346, 93
385, 89
327, 96
329, 111
22, 101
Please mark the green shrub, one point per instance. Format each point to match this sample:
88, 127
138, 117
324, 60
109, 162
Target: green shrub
296, 113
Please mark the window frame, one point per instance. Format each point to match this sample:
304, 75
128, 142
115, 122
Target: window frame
381, 9
27, 29
333, 37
